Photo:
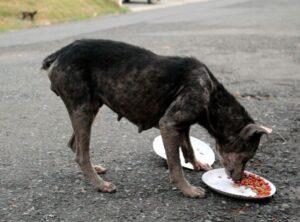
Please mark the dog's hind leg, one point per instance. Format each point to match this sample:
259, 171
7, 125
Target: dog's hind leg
72, 144
82, 119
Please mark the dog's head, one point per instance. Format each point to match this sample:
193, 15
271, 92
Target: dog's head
237, 153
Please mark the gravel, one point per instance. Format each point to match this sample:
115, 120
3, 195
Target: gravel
251, 46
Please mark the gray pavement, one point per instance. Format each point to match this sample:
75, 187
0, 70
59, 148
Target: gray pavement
251, 46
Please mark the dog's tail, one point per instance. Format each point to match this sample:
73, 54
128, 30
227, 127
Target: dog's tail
211, 75
47, 62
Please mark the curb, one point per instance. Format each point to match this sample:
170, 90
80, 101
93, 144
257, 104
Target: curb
137, 7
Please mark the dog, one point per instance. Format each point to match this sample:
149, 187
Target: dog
167, 92
29, 15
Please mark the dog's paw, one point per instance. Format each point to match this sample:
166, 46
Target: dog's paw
193, 192
107, 187
100, 169
201, 166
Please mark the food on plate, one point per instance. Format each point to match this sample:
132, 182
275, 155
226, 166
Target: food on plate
251, 186
255, 183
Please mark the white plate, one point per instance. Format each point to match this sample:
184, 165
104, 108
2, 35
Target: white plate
202, 151
217, 180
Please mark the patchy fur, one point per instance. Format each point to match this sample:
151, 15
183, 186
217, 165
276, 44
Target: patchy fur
170, 93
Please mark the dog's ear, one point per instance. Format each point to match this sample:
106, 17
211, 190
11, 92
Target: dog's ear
252, 130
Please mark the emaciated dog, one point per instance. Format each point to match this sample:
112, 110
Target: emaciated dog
170, 93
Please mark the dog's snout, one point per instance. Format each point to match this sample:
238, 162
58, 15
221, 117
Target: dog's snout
236, 177
229, 172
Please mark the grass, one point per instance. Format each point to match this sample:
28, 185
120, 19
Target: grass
51, 11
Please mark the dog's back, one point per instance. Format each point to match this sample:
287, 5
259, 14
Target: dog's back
133, 82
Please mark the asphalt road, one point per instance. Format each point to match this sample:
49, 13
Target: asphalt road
251, 46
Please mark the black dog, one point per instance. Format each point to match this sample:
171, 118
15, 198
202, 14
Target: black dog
170, 93
29, 15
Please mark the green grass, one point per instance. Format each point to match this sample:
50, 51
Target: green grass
52, 11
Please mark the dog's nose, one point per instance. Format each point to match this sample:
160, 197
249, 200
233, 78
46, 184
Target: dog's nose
235, 175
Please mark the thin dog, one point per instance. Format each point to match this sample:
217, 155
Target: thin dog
150, 90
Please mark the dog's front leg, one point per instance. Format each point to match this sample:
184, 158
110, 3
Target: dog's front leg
171, 141
189, 154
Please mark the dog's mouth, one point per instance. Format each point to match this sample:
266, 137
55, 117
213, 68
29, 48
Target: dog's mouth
236, 178
228, 173
231, 174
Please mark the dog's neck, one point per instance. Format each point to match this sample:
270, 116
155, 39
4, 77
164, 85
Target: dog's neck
225, 116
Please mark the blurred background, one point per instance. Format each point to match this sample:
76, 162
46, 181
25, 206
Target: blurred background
52, 11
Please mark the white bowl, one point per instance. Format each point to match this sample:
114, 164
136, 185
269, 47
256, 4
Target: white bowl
202, 151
